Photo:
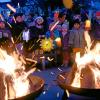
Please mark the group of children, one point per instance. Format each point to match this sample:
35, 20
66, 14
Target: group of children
71, 34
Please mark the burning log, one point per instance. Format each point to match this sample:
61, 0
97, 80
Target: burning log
84, 77
3, 87
71, 75
87, 77
87, 80
14, 80
10, 88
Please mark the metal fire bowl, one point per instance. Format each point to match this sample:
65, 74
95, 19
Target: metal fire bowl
78, 91
37, 88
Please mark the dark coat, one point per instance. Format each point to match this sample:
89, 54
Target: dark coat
65, 41
96, 31
35, 32
17, 29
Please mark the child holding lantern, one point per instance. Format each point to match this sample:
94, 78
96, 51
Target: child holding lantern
55, 35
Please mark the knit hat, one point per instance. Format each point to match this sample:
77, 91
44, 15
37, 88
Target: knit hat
18, 14
39, 20
76, 21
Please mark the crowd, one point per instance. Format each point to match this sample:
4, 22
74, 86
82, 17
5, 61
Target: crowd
70, 27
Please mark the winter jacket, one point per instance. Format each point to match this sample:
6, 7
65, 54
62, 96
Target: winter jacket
76, 38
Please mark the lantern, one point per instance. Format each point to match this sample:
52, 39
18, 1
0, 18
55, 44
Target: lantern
58, 41
46, 44
88, 24
68, 3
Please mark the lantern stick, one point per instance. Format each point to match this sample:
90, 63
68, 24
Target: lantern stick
1, 17
54, 26
11, 8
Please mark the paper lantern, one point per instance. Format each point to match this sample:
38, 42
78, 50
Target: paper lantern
58, 41
88, 24
46, 44
68, 3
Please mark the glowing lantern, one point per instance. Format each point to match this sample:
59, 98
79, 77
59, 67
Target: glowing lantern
46, 44
87, 24
68, 3
58, 41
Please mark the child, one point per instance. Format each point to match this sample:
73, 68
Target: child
65, 47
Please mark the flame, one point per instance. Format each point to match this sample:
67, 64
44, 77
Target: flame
97, 77
91, 58
21, 87
13, 66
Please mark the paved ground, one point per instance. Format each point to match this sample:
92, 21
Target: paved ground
52, 91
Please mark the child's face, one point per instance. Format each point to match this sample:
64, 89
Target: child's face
39, 21
76, 25
2, 25
19, 19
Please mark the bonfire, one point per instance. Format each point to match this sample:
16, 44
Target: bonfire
14, 81
85, 72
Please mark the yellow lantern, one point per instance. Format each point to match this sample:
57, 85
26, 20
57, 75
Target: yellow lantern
88, 24
46, 44
58, 41
68, 3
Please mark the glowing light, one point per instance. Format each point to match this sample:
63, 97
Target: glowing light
58, 95
1, 17
59, 69
52, 28
88, 24
14, 19
52, 73
67, 93
68, 3
58, 41
11, 8
46, 44
50, 59
9, 24
18, 5
91, 58
14, 66
62, 77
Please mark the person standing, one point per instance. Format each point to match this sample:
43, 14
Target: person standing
65, 45
5, 35
76, 39
17, 27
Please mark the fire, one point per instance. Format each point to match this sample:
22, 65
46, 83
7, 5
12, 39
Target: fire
13, 68
20, 86
91, 60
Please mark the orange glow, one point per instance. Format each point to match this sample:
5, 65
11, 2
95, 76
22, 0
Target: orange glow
88, 24
91, 56
58, 41
14, 67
